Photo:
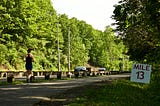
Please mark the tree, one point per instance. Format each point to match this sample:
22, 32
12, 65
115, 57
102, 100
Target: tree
136, 27
79, 54
35, 24
106, 50
24, 23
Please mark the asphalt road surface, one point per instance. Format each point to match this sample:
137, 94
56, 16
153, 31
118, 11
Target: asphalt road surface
30, 93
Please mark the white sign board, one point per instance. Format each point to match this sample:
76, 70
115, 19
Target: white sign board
141, 73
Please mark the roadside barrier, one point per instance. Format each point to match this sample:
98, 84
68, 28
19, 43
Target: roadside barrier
11, 75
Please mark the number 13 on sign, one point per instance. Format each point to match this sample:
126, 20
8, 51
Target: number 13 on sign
140, 75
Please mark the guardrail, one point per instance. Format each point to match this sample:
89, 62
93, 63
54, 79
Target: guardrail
17, 74
10, 75
4, 74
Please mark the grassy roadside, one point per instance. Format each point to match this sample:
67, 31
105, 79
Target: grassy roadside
119, 93
107, 93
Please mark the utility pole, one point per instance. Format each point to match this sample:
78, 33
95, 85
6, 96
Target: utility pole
58, 50
69, 49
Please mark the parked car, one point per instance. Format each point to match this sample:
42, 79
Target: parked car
80, 70
101, 70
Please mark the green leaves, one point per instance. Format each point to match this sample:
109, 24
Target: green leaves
138, 25
35, 24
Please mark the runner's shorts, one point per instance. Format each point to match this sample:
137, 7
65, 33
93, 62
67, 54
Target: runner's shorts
29, 66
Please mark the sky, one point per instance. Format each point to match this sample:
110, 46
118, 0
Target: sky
94, 12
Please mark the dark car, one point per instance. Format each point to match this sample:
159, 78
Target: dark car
80, 70
101, 69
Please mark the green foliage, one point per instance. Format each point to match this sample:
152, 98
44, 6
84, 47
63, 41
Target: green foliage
3, 51
138, 25
107, 50
120, 93
35, 24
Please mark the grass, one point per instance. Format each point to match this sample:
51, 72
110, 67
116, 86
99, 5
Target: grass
13, 83
119, 93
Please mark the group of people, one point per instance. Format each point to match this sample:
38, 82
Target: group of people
28, 64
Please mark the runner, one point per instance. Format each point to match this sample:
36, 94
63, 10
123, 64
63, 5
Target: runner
29, 59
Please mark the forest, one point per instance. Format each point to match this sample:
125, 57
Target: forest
55, 38
138, 26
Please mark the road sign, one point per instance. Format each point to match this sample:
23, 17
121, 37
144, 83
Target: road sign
141, 73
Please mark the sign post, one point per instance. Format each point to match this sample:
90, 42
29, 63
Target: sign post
141, 73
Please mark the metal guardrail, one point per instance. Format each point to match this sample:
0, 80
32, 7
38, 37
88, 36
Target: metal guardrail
18, 74
11, 75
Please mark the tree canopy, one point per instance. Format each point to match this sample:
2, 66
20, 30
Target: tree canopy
138, 24
35, 24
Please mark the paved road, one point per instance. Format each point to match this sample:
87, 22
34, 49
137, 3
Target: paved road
30, 93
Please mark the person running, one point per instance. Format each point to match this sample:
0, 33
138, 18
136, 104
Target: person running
29, 59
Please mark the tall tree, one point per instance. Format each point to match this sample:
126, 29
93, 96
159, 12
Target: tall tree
35, 23
137, 27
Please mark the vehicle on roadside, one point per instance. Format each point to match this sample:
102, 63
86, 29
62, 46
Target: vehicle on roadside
80, 71
103, 71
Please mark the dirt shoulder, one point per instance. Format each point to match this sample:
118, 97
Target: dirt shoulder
70, 95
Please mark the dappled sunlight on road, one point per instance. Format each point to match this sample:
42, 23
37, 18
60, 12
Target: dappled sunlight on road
10, 89
36, 97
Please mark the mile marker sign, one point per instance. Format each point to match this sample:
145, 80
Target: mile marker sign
141, 73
